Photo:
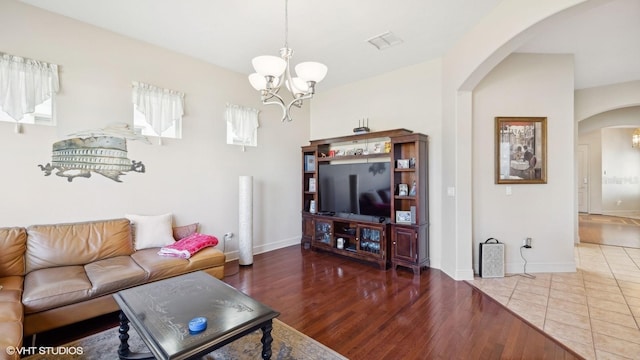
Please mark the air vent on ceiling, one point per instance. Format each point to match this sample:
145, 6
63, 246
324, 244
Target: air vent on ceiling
385, 40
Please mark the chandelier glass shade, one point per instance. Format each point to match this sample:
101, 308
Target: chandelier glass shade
635, 139
273, 71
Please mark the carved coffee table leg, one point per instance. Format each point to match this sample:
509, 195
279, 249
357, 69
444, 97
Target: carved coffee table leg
123, 349
266, 340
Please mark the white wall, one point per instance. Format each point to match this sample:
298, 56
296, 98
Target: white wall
628, 116
596, 100
620, 172
593, 140
527, 85
195, 178
496, 36
590, 134
407, 98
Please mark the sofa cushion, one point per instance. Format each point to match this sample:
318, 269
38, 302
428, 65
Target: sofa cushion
76, 243
15, 283
114, 274
11, 291
13, 242
54, 287
206, 258
160, 267
10, 311
151, 230
10, 335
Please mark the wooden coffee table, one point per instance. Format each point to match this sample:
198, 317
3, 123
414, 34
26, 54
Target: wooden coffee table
160, 312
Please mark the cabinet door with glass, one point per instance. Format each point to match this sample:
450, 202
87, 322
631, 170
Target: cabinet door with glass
372, 240
324, 233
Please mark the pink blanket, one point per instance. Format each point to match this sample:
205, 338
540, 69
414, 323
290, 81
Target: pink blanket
185, 248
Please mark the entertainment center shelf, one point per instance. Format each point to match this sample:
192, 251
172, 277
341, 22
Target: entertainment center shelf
365, 196
364, 240
353, 157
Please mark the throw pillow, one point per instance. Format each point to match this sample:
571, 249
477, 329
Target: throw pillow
151, 231
181, 232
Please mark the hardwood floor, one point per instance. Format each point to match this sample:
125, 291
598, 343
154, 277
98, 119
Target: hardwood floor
609, 230
365, 313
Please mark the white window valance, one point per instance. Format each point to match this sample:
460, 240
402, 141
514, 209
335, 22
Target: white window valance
242, 125
161, 107
25, 83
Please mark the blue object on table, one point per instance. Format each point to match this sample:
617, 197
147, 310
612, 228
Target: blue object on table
198, 324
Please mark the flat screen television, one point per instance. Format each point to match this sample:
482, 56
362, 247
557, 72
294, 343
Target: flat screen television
359, 188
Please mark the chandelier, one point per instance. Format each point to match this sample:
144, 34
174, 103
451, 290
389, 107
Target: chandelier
635, 139
272, 72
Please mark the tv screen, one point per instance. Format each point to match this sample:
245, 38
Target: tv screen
362, 188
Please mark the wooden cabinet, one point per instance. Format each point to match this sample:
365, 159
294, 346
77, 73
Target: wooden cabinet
409, 223
323, 234
308, 230
408, 248
401, 237
353, 238
309, 166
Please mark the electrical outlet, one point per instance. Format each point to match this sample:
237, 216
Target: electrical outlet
527, 243
228, 235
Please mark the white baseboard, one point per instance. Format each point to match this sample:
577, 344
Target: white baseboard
233, 255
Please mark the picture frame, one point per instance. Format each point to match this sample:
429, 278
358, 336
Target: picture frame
520, 150
312, 185
309, 163
403, 217
403, 163
403, 190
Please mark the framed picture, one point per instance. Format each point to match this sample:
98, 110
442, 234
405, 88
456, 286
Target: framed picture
403, 163
403, 217
309, 163
312, 184
521, 150
403, 190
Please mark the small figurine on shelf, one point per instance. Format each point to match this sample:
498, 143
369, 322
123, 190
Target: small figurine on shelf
412, 192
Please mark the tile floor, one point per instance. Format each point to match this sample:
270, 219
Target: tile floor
594, 311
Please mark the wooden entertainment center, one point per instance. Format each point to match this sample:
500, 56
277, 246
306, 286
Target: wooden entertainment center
400, 238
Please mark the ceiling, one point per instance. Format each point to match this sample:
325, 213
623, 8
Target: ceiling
229, 33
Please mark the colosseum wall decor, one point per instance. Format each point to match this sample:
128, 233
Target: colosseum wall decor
101, 151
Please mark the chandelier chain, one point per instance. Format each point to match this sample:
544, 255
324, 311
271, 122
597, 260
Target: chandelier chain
273, 72
286, 24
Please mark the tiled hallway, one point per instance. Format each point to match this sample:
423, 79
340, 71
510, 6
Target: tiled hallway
595, 311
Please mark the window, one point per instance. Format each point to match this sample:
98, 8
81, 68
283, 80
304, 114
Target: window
42, 116
157, 111
27, 89
242, 125
142, 127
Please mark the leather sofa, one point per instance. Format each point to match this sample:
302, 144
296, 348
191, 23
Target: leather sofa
55, 275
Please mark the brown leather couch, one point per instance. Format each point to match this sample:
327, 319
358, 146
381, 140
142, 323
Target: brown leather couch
55, 275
